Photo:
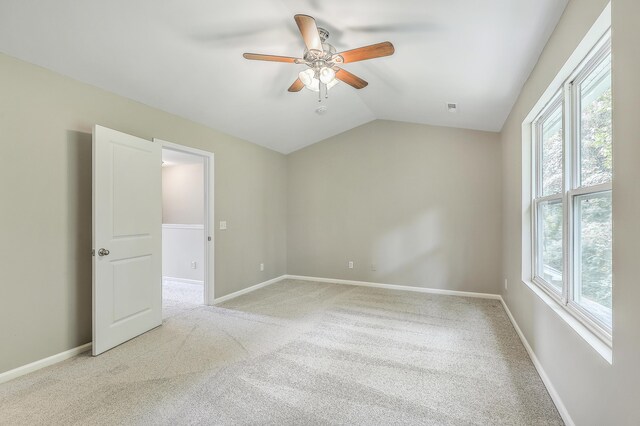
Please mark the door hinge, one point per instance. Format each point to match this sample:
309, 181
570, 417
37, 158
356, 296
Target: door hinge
93, 252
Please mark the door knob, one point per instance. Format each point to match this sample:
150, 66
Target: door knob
103, 252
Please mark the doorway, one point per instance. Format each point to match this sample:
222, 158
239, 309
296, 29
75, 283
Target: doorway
127, 236
187, 264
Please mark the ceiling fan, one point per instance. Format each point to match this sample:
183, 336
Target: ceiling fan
323, 62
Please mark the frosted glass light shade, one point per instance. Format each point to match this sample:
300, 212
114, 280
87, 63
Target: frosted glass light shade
327, 75
308, 78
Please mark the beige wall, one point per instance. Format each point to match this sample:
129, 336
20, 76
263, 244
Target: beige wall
594, 392
45, 188
432, 192
183, 194
626, 211
422, 203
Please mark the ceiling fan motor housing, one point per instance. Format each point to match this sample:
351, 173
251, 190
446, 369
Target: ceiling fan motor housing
324, 34
313, 55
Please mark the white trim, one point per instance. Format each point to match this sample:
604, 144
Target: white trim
248, 289
549, 198
555, 396
580, 327
549, 289
209, 213
585, 190
45, 362
396, 287
182, 280
357, 283
599, 29
183, 148
591, 51
181, 226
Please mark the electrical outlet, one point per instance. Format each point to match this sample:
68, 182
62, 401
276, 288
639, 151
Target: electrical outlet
223, 225
262, 266
506, 284
351, 264
194, 265
374, 267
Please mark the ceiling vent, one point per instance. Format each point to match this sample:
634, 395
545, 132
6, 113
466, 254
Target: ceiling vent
452, 107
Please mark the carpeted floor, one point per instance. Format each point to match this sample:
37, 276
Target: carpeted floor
300, 353
176, 293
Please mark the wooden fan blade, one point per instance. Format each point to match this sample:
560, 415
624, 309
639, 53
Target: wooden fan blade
351, 79
309, 31
273, 58
296, 86
367, 52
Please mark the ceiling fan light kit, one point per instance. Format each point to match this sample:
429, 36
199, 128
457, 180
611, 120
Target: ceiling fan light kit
310, 79
323, 62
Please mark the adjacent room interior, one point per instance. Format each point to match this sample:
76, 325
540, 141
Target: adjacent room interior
284, 212
183, 218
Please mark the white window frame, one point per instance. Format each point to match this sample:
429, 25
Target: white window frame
567, 96
538, 198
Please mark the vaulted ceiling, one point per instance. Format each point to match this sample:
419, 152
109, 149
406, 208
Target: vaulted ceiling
185, 57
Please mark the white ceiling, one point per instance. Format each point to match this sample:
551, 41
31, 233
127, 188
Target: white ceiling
185, 57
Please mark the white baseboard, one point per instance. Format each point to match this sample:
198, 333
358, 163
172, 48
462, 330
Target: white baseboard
46, 362
564, 413
356, 283
396, 287
183, 280
248, 290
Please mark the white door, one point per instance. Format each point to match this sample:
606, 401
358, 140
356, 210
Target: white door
127, 233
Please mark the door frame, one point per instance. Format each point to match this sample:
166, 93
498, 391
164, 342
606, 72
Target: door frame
209, 211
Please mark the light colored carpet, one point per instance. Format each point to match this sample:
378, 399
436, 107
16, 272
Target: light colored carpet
176, 293
300, 353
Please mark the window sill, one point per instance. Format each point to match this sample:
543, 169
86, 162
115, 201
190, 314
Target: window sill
594, 341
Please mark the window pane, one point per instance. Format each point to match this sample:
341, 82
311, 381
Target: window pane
593, 281
551, 160
550, 259
595, 125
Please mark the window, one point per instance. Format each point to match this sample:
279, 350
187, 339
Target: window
571, 208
